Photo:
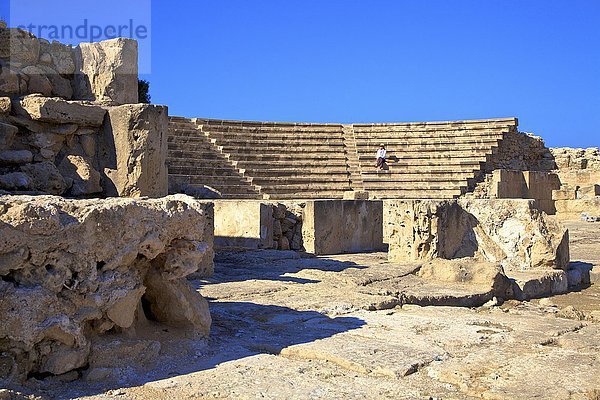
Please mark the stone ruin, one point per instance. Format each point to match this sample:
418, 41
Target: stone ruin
75, 269
86, 256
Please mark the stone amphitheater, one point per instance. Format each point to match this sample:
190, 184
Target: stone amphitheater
148, 256
433, 160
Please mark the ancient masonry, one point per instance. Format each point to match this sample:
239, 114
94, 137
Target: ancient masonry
286, 161
98, 236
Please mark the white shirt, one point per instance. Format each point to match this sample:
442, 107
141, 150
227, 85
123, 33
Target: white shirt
381, 153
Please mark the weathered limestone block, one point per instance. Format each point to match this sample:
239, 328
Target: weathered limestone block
15, 181
58, 111
342, 226
588, 192
521, 235
37, 81
133, 151
7, 135
244, 223
86, 180
510, 232
19, 46
424, 230
45, 178
5, 105
61, 87
62, 58
177, 304
356, 195
72, 269
565, 193
577, 159
573, 209
107, 71
12, 82
481, 276
15, 157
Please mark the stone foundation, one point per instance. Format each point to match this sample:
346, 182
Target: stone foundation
343, 226
579, 194
75, 270
510, 232
315, 226
80, 149
514, 184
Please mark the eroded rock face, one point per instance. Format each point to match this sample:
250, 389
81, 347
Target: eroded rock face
515, 233
71, 270
86, 180
58, 111
109, 71
133, 152
506, 231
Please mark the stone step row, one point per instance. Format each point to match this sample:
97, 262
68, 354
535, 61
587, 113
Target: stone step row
321, 159
241, 125
427, 144
241, 141
234, 131
360, 133
287, 148
414, 194
359, 128
204, 150
208, 172
195, 146
217, 169
446, 158
425, 177
302, 188
262, 150
321, 195
504, 120
269, 127
373, 140
224, 186
450, 150
238, 180
195, 155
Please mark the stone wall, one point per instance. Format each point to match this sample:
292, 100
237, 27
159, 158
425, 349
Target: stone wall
105, 72
515, 184
511, 232
315, 226
579, 173
74, 271
243, 223
80, 149
343, 226
257, 224
522, 152
65, 125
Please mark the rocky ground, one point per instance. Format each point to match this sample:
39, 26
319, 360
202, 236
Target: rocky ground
286, 326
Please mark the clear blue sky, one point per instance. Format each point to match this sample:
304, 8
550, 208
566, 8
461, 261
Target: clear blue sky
381, 61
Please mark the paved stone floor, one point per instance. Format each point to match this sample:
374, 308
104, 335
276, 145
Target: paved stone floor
290, 327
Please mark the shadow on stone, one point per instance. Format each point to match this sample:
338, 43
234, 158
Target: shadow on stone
273, 265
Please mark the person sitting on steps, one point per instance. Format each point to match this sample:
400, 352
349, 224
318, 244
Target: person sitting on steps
381, 154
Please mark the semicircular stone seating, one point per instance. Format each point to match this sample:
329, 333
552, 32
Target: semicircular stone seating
437, 160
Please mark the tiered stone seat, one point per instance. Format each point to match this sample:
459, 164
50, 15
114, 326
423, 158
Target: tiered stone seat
194, 159
435, 160
285, 160
428, 160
